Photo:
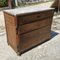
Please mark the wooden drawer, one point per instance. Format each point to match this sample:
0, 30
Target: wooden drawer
34, 25
35, 37
34, 17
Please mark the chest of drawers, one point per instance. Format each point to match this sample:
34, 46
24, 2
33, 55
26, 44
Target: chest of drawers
27, 27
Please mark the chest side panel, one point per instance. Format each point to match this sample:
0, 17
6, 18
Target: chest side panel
12, 37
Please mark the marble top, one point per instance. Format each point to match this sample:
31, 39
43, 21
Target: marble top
30, 9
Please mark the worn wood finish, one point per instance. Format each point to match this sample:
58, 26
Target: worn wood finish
35, 37
25, 31
34, 25
34, 17
12, 37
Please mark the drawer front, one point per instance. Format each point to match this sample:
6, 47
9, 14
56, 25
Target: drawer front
35, 37
33, 17
35, 25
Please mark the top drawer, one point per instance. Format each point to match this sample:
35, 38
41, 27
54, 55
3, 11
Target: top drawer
34, 17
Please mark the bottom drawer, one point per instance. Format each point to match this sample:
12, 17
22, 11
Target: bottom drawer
33, 38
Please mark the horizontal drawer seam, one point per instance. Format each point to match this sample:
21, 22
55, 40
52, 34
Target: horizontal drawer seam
33, 30
36, 20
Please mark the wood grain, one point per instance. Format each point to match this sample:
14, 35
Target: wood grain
34, 17
34, 25
35, 37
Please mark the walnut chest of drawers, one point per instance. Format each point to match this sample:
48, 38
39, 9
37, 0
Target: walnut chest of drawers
27, 27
